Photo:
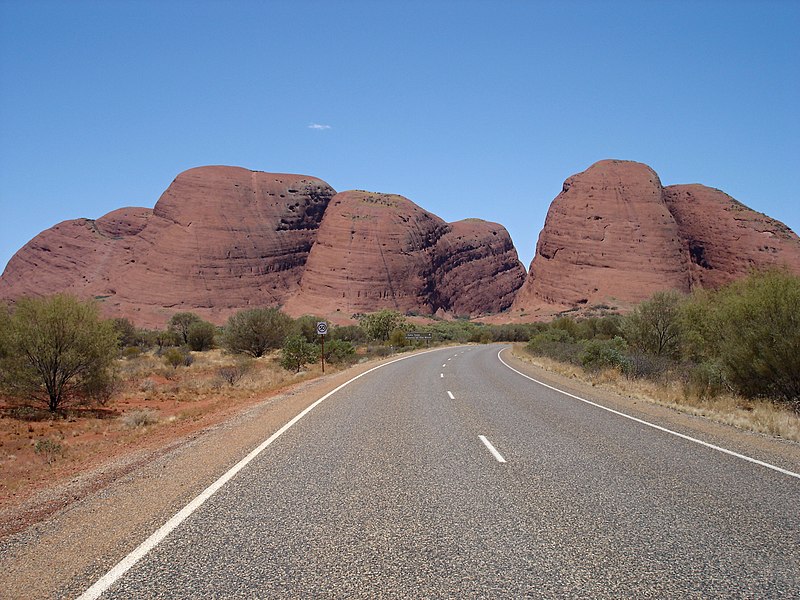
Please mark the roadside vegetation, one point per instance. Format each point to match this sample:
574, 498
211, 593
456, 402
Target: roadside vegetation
76, 388
731, 354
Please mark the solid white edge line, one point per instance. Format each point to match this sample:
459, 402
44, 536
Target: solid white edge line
449, 393
107, 580
654, 426
492, 449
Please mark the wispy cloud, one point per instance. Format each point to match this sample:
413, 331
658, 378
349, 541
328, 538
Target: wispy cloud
318, 127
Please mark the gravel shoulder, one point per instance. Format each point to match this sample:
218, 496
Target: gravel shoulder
65, 554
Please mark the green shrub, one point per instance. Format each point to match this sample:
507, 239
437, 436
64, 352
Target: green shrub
131, 352
180, 323
757, 324
655, 326
705, 380
306, 326
231, 374
604, 354
339, 352
56, 348
349, 333
200, 336
380, 325
140, 418
177, 357
639, 365
257, 330
297, 352
49, 449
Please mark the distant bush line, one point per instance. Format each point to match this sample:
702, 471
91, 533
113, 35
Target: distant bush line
743, 339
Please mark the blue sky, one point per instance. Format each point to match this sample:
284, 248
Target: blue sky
470, 109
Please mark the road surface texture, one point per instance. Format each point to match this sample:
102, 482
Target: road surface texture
394, 487
386, 490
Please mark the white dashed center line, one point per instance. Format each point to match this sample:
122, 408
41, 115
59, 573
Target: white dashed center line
492, 449
449, 393
441, 374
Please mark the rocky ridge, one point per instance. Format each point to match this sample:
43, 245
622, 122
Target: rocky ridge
221, 239
614, 236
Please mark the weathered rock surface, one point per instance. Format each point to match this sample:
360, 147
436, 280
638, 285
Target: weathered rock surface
614, 236
219, 239
725, 239
477, 269
379, 251
608, 235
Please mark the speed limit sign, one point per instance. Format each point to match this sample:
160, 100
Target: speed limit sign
322, 328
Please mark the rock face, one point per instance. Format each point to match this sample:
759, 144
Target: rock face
615, 236
219, 239
379, 251
725, 239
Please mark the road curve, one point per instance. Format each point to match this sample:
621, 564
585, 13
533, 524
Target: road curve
394, 487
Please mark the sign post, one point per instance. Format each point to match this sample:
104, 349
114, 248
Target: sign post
322, 331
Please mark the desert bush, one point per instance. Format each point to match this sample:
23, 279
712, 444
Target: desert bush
603, 354
756, 333
177, 357
131, 352
49, 449
297, 352
232, 374
640, 365
306, 326
704, 380
254, 331
180, 323
557, 344
139, 418
56, 348
380, 325
354, 334
397, 338
654, 326
339, 352
567, 324
515, 332
200, 336
127, 333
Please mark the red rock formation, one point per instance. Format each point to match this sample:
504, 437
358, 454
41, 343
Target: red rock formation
219, 239
477, 269
615, 236
725, 239
608, 237
378, 251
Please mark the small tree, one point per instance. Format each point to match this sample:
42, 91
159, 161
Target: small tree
57, 348
654, 326
380, 325
180, 324
306, 326
339, 351
256, 330
201, 336
297, 353
757, 320
126, 331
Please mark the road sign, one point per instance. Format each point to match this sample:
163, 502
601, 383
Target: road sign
322, 328
418, 335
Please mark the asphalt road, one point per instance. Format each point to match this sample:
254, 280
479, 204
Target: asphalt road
386, 490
